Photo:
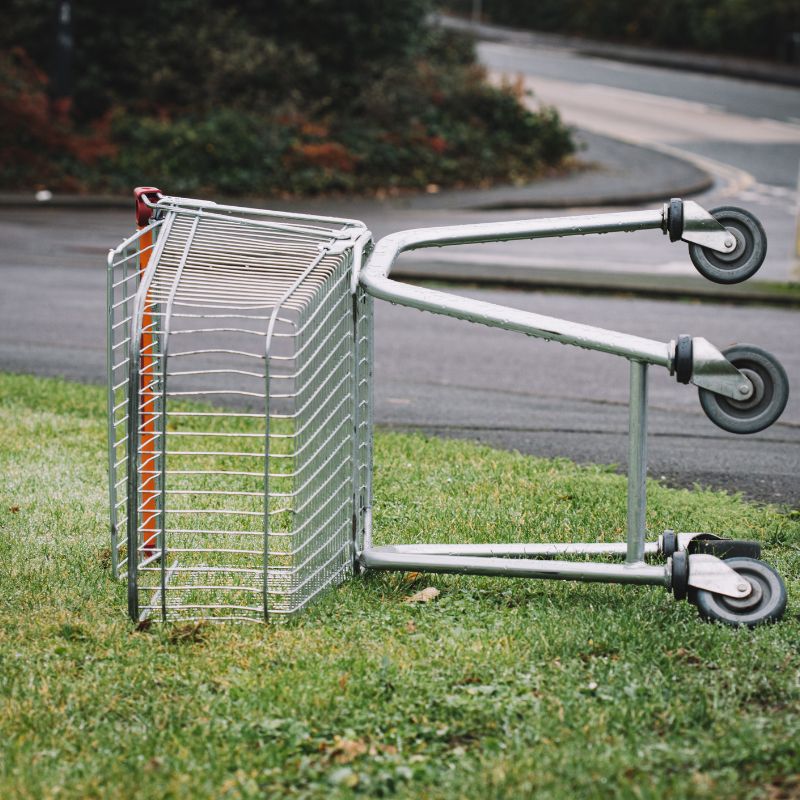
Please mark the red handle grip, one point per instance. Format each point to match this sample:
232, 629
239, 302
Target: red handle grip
143, 211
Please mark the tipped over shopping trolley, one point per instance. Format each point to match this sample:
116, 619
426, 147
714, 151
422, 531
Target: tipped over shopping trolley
240, 352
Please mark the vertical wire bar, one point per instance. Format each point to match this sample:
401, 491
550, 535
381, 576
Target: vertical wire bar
112, 473
135, 388
265, 581
133, 470
637, 462
369, 310
162, 438
355, 466
127, 312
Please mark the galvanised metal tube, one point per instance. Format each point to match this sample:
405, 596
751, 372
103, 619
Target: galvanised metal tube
645, 574
182, 203
637, 462
375, 279
516, 549
387, 249
166, 323
110, 410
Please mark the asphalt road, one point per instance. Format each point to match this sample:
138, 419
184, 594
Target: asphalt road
442, 375
445, 376
557, 401
744, 133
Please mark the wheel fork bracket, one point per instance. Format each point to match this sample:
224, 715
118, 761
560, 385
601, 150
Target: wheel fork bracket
712, 371
690, 222
714, 575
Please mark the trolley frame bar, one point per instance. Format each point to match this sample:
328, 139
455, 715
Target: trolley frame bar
511, 560
493, 559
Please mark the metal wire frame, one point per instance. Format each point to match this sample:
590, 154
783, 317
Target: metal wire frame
255, 313
364, 359
125, 265
250, 513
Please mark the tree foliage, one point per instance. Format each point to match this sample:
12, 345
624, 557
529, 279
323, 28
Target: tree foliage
757, 28
252, 96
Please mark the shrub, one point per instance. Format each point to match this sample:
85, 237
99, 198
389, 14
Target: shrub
39, 149
301, 99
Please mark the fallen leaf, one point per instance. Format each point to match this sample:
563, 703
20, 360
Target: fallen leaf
192, 632
14, 509
386, 749
144, 624
410, 577
425, 596
346, 750
784, 787
343, 678
686, 655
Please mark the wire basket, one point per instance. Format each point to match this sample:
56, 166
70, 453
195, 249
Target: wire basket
238, 410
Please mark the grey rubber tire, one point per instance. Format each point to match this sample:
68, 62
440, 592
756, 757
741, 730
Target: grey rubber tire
746, 258
764, 406
766, 602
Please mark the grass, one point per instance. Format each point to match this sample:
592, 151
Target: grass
498, 689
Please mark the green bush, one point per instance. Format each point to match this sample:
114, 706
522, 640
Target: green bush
402, 131
36, 148
301, 98
739, 27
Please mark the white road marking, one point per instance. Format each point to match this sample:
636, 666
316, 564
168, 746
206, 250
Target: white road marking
648, 118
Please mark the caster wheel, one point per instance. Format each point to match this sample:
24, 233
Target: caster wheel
764, 406
744, 260
765, 603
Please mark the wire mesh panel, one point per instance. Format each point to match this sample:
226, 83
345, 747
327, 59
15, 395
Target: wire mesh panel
126, 264
249, 433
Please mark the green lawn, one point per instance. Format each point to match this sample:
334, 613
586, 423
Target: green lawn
498, 689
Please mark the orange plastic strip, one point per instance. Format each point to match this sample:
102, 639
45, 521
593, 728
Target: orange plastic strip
148, 397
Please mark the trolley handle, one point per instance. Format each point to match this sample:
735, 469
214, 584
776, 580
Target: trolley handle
375, 279
145, 198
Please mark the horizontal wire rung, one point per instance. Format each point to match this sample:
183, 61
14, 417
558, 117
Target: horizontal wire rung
215, 276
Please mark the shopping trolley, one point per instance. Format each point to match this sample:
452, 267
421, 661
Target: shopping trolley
240, 351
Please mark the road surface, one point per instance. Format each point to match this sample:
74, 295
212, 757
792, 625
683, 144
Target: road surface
746, 134
445, 376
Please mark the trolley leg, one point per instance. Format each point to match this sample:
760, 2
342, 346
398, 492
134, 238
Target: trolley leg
637, 462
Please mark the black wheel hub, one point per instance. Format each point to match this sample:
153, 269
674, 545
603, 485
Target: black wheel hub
740, 254
758, 400
741, 245
749, 603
